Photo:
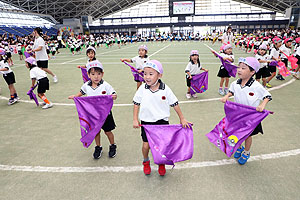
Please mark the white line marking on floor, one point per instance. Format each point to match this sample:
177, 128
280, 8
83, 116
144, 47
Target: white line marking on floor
159, 50
138, 168
180, 102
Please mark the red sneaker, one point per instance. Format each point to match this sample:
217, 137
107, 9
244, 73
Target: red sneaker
147, 168
162, 170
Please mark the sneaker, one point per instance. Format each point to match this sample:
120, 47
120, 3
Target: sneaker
268, 85
12, 101
42, 104
55, 80
98, 152
162, 170
238, 152
147, 168
112, 151
188, 95
47, 106
226, 90
281, 78
243, 159
194, 95
221, 92
278, 77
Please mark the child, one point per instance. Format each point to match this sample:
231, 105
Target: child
91, 53
9, 78
193, 68
249, 92
97, 86
297, 55
8, 55
19, 48
39, 75
139, 61
223, 73
286, 48
274, 54
263, 59
152, 101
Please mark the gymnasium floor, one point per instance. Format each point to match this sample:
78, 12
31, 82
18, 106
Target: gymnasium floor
41, 156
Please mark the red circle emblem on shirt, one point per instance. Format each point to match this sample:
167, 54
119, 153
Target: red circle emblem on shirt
163, 98
103, 92
251, 94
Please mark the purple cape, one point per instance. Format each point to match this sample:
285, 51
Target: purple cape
92, 113
84, 75
199, 83
231, 68
170, 143
136, 75
31, 95
235, 127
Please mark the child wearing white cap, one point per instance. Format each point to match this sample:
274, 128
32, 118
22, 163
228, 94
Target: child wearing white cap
90, 53
40, 76
139, 61
249, 92
193, 68
263, 58
152, 103
97, 86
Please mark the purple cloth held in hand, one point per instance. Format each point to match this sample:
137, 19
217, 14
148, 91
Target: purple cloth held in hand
231, 68
199, 83
31, 95
85, 76
170, 143
92, 113
136, 74
235, 127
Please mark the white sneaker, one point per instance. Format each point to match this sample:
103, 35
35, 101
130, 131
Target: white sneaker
226, 91
47, 106
188, 95
55, 80
221, 92
194, 95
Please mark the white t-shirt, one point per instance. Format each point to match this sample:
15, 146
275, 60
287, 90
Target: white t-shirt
193, 68
139, 62
251, 94
103, 88
285, 50
4, 65
227, 37
42, 54
264, 57
37, 73
154, 106
274, 53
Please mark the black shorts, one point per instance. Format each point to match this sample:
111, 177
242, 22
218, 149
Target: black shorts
285, 61
72, 49
48, 51
188, 81
42, 63
223, 73
118, 42
20, 53
53, 53
258, 129
43, 85
109, 123
8, 55
9, 78
298, 57
271, 69
78, 49
262, 73
143, 133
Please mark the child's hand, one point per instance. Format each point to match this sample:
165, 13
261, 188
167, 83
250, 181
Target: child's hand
260, 108
78, 66
190, 77
122, 60
206, 70
114, 96
184, 123
71, 97
136, 124
224, 99
140, 70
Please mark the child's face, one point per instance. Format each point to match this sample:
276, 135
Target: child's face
288, 44
91, 55
244, 72
228, 51
142, 52
262, 51
151, 75
278, 45
194, 58
95, 76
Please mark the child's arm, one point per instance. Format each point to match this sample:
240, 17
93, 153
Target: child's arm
4, 69
114, 96
190, 75
33, 82
136, 123
125, 60
79, 94
183, 121
206, 70
226, 97
263, 104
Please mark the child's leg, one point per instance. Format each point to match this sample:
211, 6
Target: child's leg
145, 150
264, 81
110, 137
189, 90
271, 77
248, 144
12, 89
222, 82
44, 98
226, 82
48, 71
97, 140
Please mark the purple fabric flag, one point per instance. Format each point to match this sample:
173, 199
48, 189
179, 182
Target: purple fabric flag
199, 83
136, 74
85, 76
170, 143
235, 127
231, 68
31, 95
92, 113
27, 55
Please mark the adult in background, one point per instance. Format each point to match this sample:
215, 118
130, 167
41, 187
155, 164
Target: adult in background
228, 36
41, 53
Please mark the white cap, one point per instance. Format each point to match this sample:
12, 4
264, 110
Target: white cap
93, 64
